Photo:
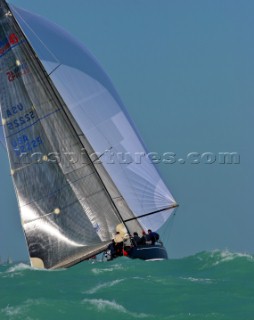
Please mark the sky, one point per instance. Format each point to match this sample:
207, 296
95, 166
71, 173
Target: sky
185, 72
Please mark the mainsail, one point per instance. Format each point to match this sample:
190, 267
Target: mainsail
65, 128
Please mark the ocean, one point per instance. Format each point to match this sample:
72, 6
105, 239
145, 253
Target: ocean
209, 285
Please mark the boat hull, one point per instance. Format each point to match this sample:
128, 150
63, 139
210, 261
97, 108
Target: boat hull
148, 252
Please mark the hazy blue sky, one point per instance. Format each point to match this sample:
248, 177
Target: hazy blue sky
185, 71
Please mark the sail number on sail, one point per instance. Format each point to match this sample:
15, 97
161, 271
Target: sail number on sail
19, 121
24, 144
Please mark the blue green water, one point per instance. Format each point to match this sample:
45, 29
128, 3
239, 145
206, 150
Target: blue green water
215, 285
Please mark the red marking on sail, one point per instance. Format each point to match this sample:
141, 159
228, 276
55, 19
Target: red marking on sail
13, 39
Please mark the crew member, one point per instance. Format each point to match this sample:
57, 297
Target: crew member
153, 236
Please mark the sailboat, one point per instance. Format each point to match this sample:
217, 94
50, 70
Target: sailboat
79, 168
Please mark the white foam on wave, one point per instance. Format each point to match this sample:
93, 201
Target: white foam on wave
20, 311
19, 267
226, 256
202, 280
103, 270
103, 286
15, 270
104, 305
155, 259
12, 311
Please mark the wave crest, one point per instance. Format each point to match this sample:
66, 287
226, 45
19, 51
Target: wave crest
104, 305
104, 286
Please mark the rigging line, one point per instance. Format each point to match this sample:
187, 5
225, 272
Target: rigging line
54, 69
175, 205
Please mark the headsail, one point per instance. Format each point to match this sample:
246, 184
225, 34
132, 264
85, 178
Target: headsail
98, 110
61, 201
